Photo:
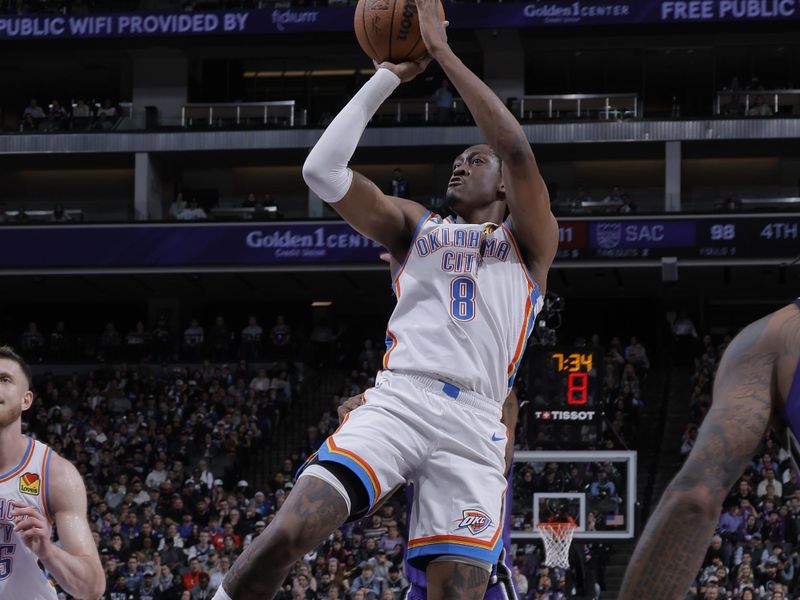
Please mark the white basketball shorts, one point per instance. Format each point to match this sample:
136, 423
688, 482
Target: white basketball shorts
449, 443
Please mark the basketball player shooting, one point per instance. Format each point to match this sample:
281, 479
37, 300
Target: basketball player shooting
38, 487
467, 296
757, 384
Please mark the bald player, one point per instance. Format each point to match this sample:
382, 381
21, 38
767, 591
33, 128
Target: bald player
757, 385
39, 488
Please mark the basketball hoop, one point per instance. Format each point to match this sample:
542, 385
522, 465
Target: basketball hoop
557, 539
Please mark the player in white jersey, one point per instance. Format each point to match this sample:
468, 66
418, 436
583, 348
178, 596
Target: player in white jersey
467, 295
39, 488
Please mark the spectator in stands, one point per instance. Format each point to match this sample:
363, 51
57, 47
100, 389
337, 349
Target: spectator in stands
177, 207
760, 108
769, 479
734, 107
627, 205
443, 100
193, 212
280, 335
34, 113
220, 339
399, 187
110, 342
582, 197
28, 124
603, 493
56, 116
689, 439
60, 215
106, 115
614, 197
250, 201
636, 354
203, 591
193, 339
81, 114
33, 343
251, 340
133, 572
369, 582
271, 207
136, 342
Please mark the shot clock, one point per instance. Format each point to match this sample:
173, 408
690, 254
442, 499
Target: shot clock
577, 366
564, 409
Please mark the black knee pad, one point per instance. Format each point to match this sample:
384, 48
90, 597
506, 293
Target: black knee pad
359, 498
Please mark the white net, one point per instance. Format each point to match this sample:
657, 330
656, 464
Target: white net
557, 539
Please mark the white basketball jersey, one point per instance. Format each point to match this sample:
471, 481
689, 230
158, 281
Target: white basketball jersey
27, 483
465, 306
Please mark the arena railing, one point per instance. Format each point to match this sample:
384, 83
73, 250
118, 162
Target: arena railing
415, 110
75, 214
600, 106
788, 100
282, 112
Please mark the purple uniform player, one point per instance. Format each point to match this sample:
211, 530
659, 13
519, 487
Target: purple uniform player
757, 386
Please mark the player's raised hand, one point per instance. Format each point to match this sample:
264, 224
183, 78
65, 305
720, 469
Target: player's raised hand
406, 71
33, 528
432, 26
349, 405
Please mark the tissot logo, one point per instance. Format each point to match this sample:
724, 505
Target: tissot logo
565, 415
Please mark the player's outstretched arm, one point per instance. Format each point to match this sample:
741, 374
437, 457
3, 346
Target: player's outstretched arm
75, 565
671, 548
527, 196
384, 219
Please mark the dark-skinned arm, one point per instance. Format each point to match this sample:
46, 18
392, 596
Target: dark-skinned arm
534, 225
671, 548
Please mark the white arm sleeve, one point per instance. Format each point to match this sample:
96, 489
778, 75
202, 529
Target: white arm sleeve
325, 170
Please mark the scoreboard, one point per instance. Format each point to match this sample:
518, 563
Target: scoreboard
564, 397
715, 237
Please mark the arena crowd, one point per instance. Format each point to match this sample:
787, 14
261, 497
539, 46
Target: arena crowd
166, 450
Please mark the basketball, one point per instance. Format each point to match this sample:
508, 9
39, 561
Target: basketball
388, 30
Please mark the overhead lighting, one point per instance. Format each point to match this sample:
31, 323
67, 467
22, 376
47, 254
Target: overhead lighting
321, 303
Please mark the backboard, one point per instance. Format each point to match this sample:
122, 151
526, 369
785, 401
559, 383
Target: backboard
597, 489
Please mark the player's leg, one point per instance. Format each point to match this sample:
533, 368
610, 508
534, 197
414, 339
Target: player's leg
355, 468
457, 580
457, 513
311, 512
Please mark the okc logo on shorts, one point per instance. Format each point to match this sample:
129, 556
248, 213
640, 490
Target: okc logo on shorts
474, 520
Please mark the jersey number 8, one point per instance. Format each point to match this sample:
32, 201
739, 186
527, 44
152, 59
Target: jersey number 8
462, 299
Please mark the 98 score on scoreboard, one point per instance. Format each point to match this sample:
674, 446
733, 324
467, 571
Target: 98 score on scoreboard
710, 237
